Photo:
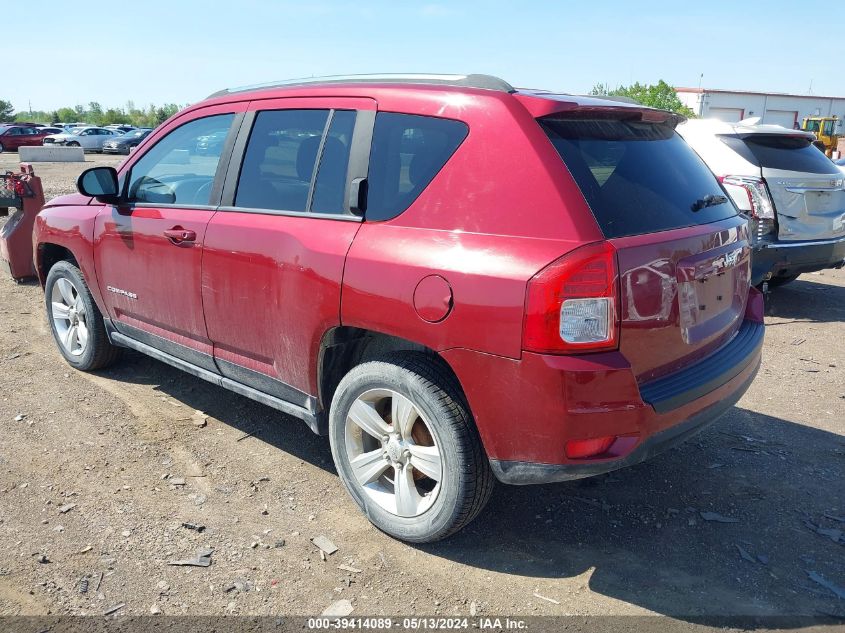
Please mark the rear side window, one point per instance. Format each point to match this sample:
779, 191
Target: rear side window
286, 150
407, 152
334, 162
637, 177
789, 153
280, 157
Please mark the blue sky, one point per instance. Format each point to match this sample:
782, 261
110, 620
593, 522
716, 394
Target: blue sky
182, 50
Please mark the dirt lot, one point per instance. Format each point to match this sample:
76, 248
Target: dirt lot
98, 472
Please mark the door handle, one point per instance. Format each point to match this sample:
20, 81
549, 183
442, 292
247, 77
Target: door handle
178, 235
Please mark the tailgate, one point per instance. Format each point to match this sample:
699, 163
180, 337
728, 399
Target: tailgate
809, 207
807, 189
683, 294
682, 249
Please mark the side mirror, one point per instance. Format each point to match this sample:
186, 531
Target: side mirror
99, 183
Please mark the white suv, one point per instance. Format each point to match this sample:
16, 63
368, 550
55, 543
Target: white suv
793, 194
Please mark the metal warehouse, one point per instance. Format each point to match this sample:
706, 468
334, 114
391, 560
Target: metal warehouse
773, 107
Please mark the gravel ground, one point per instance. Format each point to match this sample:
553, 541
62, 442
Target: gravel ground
99, 473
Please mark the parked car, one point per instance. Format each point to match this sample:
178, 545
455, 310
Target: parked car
792, 193
454, 280
91, 138
210, 143
123, 129
14, 136
123, 144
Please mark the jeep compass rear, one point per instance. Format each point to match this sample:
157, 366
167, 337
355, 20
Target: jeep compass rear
455, 280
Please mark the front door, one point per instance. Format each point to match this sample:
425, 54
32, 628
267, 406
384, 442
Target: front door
275, 251
148, 252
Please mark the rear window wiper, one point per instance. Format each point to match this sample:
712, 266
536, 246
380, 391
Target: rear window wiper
708, 201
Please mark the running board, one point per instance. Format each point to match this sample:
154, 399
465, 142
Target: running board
227, 383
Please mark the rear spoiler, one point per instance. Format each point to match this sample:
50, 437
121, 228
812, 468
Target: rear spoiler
540, 105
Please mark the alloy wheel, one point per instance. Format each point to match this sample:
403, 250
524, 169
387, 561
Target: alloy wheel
393, 453
69, 317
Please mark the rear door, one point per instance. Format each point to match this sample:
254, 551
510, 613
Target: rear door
683, 251
148, 252
807, 189
275, 251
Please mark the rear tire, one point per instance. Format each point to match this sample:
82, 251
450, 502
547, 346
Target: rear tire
777, 282
427, 475
2, 149
76, 322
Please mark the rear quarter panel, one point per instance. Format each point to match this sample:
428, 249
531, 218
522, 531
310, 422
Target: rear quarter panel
501, 209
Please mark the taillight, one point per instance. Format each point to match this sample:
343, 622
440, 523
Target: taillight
759, 201
571, 305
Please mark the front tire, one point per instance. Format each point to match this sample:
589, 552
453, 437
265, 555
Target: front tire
406, 448
2, 149
76, 322
73, 144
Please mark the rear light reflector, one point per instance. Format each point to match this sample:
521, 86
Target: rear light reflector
571, 305
759, 203
581, 449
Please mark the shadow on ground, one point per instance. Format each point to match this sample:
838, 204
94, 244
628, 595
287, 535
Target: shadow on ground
638, 534
807, 298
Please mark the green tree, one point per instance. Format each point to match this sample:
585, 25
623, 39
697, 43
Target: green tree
66, 115
6, 110
660, 95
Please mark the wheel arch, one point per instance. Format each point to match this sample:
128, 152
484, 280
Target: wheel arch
344, 347
47, 255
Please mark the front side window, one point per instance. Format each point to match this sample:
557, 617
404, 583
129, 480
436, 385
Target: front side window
180, 168
407, 152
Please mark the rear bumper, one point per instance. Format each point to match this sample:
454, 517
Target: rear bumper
793, 258
527, 410
523, 473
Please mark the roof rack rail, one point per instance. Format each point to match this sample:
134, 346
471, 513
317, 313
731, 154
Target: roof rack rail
485, 82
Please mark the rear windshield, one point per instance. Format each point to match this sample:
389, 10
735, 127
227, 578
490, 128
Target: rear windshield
789, 153
637, 177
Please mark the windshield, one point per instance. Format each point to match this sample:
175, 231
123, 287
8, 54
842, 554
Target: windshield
637, 177
812, 126
3, 128
77, 131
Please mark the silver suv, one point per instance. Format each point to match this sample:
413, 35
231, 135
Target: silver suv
793, 194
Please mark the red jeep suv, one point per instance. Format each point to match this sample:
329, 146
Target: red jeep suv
455, 280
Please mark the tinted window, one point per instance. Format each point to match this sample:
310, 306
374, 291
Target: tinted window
173, 171
407, 152
330, 186
637, 177
279, 161
789, 153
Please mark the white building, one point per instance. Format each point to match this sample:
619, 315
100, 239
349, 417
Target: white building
773, 107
